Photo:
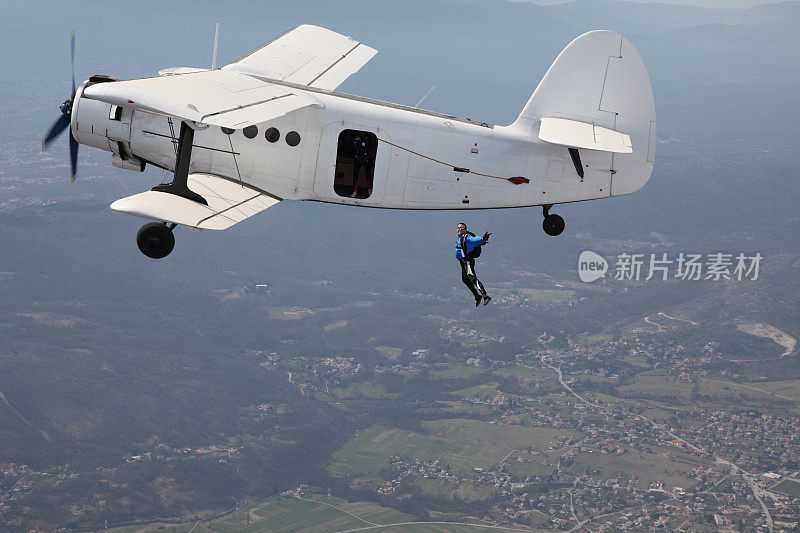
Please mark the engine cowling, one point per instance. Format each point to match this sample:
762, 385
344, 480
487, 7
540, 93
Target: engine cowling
104, 126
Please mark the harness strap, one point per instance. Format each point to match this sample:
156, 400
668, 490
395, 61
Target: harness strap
463, 244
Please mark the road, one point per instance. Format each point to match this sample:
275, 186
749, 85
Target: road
557, 370
25, 420
571, 502
757, 492
681, 319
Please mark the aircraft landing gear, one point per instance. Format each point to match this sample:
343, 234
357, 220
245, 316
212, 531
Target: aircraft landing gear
552, 224
155, 239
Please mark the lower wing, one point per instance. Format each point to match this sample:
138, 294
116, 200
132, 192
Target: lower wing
229, 202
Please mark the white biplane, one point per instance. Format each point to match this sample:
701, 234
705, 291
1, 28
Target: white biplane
270, 127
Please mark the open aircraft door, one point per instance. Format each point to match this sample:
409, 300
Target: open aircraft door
344, 150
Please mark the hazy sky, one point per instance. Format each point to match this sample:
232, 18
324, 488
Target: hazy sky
700, 3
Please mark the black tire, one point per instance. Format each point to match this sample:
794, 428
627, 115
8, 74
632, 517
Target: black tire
155, 240
553, 225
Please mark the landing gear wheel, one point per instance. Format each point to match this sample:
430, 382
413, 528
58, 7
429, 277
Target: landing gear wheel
155, 240
553, 225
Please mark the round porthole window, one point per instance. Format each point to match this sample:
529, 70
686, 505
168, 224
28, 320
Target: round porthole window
227, 131
250, 132
272, 135
292, 138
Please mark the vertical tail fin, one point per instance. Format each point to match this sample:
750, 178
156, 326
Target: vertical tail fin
600, 79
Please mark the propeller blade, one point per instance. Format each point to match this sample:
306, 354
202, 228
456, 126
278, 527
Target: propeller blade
55, 130
73, 156
72, 46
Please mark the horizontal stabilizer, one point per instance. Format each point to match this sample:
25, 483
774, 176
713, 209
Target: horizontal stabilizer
229, 202
583, 135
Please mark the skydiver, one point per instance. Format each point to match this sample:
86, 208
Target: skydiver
467, 249
362, 157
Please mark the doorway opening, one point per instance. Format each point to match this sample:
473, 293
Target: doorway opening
355, 164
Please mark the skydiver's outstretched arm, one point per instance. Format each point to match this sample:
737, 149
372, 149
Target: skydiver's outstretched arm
475, 241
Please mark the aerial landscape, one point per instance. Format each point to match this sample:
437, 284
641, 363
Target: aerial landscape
319, 367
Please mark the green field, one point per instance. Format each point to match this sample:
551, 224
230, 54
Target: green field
460, 410
456, 372
486, 391
658, 385
362, 389
789, 388
314, 513
389, 351
788, 486
657, 414
535, 467
647, 466
461, 444
466, 490
441, 527
666, 389
541, 296
714, 392
528, 374
589, 340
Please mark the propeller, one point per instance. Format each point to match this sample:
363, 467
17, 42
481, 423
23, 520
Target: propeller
63, 121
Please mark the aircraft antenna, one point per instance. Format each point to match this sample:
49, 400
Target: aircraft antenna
216, 42
424, 97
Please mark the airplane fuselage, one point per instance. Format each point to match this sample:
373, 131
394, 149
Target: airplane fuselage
423, 160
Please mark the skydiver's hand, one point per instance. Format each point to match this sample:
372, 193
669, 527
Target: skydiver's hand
486, 237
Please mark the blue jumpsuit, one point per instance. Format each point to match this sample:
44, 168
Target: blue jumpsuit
468, 275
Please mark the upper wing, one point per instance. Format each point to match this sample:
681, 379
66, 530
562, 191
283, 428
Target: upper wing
228, 203
232, 97
215, 97
306, 55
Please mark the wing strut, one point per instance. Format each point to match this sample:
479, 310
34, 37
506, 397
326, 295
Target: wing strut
178, 186
576, 160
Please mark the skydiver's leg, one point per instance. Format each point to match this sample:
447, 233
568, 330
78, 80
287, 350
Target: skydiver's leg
368, 175
486, 297
478, 283
480, 286
356, 172
465, 277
